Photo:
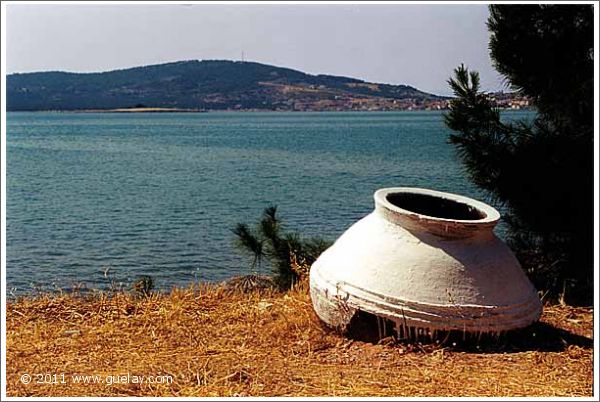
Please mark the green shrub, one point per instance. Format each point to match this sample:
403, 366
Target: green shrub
268, 240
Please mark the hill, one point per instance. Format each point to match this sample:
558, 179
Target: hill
209, 85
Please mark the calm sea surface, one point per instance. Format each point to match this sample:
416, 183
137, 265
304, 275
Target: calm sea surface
158, 194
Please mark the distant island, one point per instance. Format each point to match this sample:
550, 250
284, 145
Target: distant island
194, 86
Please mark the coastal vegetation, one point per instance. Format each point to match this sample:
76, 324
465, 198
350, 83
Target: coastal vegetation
541, 171
284, 251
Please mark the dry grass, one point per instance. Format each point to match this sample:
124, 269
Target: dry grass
218, 343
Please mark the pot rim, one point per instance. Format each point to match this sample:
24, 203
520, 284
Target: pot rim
441, 226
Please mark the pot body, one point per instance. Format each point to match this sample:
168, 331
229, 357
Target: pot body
423, 271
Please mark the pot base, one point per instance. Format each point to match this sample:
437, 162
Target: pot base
336, 305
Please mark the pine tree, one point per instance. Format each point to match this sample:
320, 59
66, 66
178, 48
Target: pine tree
280, 248
541, 171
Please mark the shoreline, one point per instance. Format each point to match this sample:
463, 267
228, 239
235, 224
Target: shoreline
137, 110
176, 110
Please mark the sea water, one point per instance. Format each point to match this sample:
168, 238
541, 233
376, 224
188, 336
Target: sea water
98, 198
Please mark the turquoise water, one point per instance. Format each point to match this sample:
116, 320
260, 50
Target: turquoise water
158, 194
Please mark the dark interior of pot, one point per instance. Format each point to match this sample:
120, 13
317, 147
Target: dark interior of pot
436, 207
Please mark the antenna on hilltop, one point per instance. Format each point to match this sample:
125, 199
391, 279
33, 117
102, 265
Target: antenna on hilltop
242, 56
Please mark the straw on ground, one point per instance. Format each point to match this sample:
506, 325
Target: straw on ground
214, 342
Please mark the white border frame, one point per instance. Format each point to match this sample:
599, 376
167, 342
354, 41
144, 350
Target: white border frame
3, 189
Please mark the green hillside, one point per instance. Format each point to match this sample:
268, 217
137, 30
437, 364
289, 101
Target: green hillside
210, 85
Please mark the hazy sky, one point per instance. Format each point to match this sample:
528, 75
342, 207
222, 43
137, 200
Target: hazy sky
418, 45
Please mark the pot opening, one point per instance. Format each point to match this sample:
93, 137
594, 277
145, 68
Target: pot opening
436, 207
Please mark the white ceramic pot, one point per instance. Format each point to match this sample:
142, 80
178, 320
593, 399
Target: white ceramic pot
424, 259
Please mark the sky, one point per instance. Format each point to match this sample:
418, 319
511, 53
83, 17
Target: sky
412, 44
